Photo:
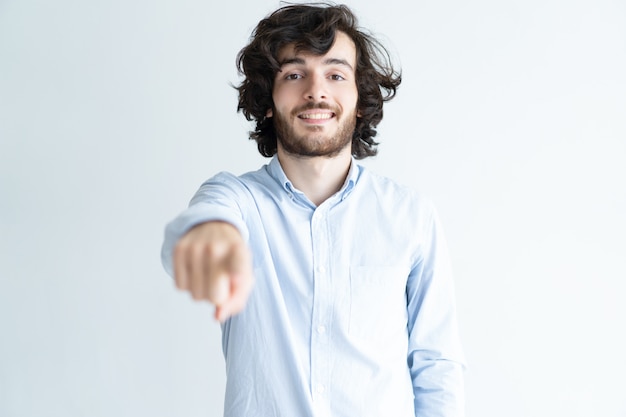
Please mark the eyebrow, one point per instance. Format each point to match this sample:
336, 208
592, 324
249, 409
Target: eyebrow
328, 61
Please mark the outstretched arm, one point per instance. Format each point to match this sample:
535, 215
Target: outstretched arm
205, 247
213, 263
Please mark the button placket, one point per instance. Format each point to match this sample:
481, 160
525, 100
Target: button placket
322, 310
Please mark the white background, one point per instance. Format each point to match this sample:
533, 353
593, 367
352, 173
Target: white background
511, 117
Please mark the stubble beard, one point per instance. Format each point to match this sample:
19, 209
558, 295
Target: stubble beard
315, 143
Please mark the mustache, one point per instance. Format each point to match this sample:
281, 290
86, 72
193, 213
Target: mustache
313, 106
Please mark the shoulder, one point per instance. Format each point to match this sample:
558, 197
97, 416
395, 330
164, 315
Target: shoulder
243, 188
392, 192
238, 181
227, 177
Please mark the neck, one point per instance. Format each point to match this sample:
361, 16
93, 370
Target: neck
317, 177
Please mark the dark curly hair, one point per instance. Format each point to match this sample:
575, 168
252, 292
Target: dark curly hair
312, 28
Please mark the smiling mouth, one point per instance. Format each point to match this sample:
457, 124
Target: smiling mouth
316, 116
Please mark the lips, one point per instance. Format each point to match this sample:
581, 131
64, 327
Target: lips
317, 115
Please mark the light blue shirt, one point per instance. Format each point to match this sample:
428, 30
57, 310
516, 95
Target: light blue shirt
353, 311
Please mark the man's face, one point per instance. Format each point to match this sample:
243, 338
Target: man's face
315, 99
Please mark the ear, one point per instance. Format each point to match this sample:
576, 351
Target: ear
269, 113
358, 113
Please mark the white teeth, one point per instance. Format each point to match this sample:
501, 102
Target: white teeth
318, 116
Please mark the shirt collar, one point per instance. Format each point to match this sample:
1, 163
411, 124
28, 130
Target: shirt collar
276, 172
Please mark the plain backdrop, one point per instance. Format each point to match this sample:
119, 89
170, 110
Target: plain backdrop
511, 117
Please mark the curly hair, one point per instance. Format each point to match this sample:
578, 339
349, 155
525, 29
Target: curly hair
312, 28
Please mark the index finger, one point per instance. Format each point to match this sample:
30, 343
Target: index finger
241, 283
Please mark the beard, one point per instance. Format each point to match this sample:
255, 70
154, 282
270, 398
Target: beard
315, 142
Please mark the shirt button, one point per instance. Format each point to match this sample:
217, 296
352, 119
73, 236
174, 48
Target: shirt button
320, 389
322, 270
321, 329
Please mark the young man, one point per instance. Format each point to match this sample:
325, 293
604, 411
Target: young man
352, 310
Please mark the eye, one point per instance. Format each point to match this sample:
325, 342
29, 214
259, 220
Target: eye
293, 76
337, 77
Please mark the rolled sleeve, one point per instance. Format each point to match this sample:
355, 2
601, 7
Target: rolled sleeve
216, 200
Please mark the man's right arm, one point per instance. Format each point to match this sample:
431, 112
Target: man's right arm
212, 262
205, 248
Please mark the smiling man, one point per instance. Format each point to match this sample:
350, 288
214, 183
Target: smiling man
333, 284
315, 100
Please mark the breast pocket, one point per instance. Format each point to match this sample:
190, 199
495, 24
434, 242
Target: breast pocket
377, 302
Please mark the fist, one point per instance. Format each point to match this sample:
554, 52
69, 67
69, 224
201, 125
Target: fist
213, 263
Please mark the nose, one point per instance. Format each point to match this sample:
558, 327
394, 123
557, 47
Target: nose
316, 88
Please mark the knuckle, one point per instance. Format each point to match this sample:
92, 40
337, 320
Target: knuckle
208, 250
180, 249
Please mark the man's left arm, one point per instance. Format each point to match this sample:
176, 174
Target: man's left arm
435, 356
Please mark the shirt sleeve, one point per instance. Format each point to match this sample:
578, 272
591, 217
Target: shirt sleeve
216, 200
435, 357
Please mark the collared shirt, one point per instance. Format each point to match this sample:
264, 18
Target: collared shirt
352, 312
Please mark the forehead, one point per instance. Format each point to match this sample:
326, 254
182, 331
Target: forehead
343, 48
